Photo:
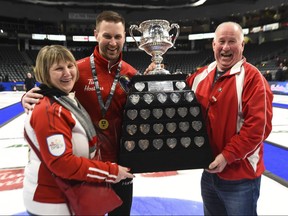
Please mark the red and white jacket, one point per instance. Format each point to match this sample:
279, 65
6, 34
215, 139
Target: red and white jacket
64, 147
238, 113
109, 139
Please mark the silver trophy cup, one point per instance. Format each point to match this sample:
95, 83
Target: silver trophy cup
155, 40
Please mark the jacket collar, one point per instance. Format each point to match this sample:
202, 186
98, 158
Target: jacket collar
100, 60
235, 69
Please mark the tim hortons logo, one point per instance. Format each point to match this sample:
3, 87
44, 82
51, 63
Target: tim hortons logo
90, 86
11, 179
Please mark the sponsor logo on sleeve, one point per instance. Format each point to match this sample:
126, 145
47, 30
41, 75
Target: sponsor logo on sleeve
56, 144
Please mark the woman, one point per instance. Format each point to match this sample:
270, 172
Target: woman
62, 130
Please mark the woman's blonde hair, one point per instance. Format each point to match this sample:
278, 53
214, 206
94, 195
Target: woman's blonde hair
49, 55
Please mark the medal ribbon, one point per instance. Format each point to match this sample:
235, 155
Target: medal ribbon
105, 107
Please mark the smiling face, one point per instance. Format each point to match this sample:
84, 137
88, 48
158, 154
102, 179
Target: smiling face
111, 38
56, 67
228, 45
63, 75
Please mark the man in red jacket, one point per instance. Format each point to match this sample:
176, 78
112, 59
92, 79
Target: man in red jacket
237, 104
102, 90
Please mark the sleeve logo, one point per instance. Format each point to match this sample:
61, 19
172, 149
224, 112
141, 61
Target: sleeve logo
56, 144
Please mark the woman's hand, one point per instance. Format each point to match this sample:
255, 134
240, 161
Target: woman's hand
123, 174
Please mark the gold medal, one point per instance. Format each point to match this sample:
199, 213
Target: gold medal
103, 124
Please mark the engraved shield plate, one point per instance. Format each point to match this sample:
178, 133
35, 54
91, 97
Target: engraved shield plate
185, 141
134, 98
184, 126
132, 114
143, 144
175, 97
197, 125
182, 111
189, 96
194, 111
145, 113
162, 97
139, 86
199, 141
180, 85
170, 112
171, 142
160, 86
131, 129
144, 128
157, 113
171, 127
148, 98
158, 128
129, 145
158, 143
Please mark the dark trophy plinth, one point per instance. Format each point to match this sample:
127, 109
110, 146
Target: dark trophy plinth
163, 128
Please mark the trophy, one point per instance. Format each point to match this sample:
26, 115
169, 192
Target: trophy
155, 40
163, 127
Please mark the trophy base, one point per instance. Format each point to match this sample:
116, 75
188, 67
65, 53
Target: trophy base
159, 72
155, 161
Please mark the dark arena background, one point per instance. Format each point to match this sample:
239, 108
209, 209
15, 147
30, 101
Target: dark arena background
28, 25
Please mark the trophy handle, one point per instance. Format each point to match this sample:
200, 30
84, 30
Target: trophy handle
175, 25
132, 27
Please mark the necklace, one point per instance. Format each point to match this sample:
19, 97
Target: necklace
104, 123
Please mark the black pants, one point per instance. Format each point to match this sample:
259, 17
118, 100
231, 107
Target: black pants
124, 189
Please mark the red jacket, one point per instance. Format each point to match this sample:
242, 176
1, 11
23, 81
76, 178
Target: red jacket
238, 113
108, 139
64, 147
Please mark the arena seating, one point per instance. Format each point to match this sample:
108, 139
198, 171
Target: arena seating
13, 63
17, 63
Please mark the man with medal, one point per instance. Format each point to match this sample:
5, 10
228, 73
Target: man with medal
102, 89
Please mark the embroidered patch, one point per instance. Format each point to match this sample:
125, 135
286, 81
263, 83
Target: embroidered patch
56, 144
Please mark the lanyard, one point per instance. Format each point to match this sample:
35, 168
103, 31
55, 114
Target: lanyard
105, 107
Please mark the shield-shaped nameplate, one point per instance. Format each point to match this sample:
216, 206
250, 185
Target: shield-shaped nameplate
194, 111
134, 98
175, 97
131, 129
132, 114
171, 127
197, 125
180, 85
143, 144
185, 141
184, 126
158, 143
170, 112
158, 128
145, 113
162, 97
139, 86
171, 142
199, 141
189, 96
129, 145
148, 98
157, 112
182, 111
144, 128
